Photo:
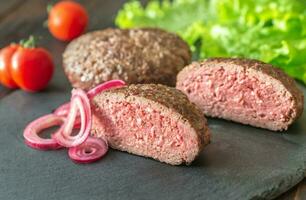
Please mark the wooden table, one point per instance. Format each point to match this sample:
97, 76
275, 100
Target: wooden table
21, 18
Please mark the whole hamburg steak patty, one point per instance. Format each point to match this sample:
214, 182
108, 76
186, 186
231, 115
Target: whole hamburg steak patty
133, 55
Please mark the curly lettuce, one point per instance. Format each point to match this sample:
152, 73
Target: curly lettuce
271, 31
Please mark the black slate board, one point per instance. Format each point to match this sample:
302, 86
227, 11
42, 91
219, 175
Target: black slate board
242, 162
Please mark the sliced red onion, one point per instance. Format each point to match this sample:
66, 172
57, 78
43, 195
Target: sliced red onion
91, 150
105, 86
79, 103
32, 131
63, 110
74, 114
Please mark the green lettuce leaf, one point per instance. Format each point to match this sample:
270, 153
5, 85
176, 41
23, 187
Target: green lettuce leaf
271, 31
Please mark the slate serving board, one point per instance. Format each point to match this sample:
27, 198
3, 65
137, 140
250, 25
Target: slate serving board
242, 162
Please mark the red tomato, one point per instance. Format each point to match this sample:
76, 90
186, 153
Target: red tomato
32, 68
5, 66
67, 20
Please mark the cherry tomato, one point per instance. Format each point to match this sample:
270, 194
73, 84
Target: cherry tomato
67, 20
5, 66
32, 68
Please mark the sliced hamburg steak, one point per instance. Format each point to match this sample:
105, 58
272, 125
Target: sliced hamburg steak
150, 120
243, 90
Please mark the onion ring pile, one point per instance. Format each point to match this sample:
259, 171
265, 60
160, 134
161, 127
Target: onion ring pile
75, 114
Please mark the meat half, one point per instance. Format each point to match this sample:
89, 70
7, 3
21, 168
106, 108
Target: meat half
150, 120
242, 90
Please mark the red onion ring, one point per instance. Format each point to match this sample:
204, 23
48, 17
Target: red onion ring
63, 110
91, 150
32, 131
79, 102
74, 114
105, 86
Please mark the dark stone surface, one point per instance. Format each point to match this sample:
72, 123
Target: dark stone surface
242, 162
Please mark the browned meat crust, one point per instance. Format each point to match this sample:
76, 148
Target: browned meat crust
133, 55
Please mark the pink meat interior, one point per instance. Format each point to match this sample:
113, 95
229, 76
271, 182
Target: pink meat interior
146, 129
239, 95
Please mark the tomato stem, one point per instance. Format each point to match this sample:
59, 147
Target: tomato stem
29, 43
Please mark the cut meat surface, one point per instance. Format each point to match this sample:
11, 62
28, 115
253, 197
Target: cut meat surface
151, 120
246, 91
